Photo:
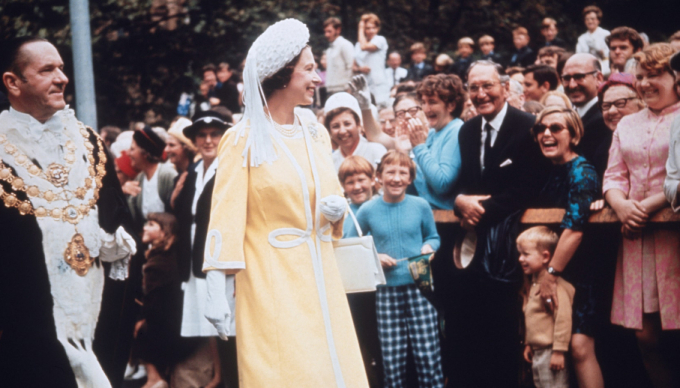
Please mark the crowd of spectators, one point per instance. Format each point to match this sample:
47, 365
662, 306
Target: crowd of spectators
578, 127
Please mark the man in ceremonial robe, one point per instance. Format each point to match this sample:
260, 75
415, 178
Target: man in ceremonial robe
61, 212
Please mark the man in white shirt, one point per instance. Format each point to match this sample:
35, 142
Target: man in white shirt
593, 40
339, 57
394, 72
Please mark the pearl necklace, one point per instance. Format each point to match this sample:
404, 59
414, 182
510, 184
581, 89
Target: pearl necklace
288, 132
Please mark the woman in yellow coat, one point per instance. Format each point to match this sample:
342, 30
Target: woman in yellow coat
276, 209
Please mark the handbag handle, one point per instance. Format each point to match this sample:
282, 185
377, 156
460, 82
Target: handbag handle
356, 223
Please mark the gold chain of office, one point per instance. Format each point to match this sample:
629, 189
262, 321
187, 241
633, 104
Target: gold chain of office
57, 175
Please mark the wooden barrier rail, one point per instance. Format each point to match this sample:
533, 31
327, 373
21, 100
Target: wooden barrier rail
554, 216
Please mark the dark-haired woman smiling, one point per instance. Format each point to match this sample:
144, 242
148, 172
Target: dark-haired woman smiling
275, 210
573, 185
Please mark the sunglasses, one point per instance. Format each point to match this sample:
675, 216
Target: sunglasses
554, 128
566, 78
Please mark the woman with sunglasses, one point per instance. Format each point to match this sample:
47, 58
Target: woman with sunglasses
646, 287
572, 185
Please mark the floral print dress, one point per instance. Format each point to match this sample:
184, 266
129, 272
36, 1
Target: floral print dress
573, 186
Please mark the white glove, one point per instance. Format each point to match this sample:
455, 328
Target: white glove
117, 249
217, 309
359, 89
333, 207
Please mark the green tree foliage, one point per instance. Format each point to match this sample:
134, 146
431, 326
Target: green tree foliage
140, 64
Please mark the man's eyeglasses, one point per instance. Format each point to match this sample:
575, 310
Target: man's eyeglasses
486, 86
620, 103
400, 114
578, 77
554, 128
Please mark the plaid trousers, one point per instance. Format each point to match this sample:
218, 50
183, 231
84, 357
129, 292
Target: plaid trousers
404, 316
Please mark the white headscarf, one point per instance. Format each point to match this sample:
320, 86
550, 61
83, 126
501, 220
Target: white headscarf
272, 50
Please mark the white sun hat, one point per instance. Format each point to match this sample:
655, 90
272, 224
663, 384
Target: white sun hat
343, 100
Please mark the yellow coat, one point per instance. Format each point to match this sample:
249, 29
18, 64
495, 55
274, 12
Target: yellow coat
293, 324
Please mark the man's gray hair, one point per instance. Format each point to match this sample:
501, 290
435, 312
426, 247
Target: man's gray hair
516, 87
504, 78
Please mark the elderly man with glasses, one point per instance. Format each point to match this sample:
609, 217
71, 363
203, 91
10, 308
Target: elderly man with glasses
581, 78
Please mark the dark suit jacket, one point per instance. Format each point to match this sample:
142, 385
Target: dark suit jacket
495, 57
228, 95
559, 42
596, 140
191, 259
416, 74
517, 184
523, 57
460, 67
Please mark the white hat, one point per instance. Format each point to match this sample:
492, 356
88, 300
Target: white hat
122, 143
272, 50
176, 130
343, 100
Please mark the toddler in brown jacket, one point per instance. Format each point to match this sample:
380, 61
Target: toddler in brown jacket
547, 334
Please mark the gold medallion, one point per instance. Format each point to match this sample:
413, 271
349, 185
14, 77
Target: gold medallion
70, 214
77, 255
57, 174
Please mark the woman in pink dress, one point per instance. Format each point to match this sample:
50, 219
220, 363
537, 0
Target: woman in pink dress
647, 285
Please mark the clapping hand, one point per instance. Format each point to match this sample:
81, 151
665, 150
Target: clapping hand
402, 139
417, 131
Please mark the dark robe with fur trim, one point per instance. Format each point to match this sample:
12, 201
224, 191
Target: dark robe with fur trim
30, 355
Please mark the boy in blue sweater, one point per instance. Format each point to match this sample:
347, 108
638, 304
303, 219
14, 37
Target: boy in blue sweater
356, 176
403, 226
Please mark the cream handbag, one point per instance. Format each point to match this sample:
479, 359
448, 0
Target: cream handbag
358, 262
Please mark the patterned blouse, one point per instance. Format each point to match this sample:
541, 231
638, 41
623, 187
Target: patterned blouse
572, 186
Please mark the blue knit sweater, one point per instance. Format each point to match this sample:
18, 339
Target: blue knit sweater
399, 230
348, 228
438, 161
